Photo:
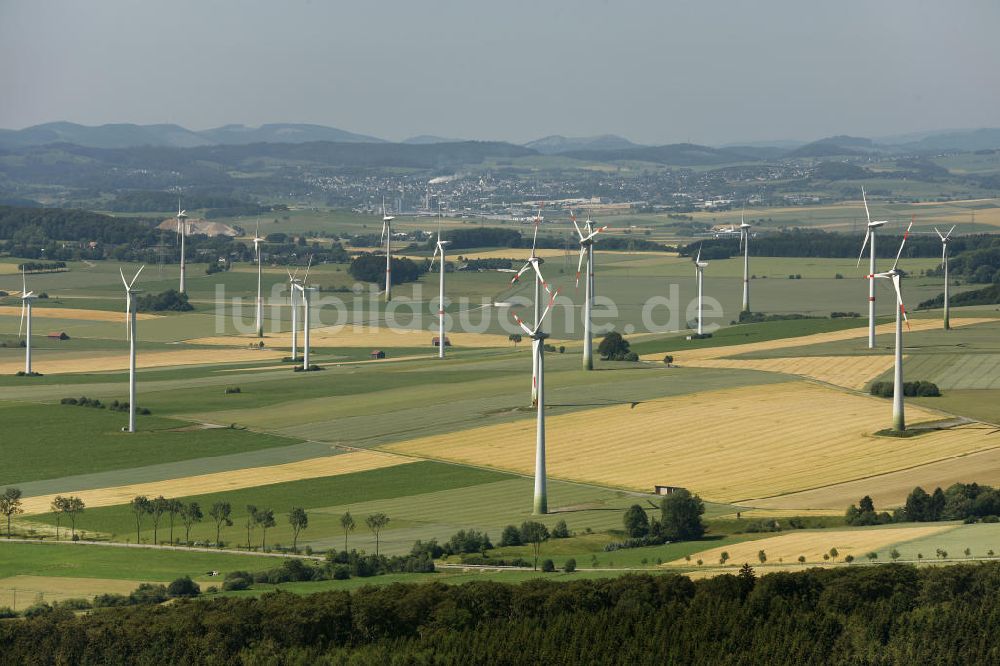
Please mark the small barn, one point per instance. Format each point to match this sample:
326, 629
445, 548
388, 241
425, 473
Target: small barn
666, 490
377, 354
58, 335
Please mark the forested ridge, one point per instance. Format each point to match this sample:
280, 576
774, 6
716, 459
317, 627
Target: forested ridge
884, 614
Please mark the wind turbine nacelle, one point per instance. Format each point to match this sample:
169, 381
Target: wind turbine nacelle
879, 223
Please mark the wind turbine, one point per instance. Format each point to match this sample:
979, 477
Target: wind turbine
130, 331
26, 298
293, 281
944, 260
306, 291
387, 236
870, 234
700, 266
182, 230
898, 419
587, 250
533, 263
538, 336
257, 240
439, 249
745, 244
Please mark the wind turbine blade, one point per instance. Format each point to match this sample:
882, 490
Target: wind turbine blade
905, 236
256, 233
868, 232
538, 324
24, 282
136, 276
865, 199
308, 266
940, 235
579, 266
521, 323
578, 232
948, 235
122, 273
20, 328
899, 298
541, 278
595, 232
517, 276
698, 258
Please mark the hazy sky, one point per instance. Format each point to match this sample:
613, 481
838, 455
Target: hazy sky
654, 71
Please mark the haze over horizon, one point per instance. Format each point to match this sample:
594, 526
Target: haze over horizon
652, 72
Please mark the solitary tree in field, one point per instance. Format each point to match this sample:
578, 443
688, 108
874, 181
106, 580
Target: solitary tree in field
681, 516
157, 507
762, 556
10, 504
221, 513
72, 507
299, 520
834, 553
872, 556
264, 518
802, 559
536, 534
173, 507
894, 554
515, 338
57, 509
251, 521
140, 507
724, 557
376, 523
348, 525
190, 514
636, 521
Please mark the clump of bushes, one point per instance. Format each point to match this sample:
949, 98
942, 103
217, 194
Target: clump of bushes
844, 315
83, 402
169, 300
233, 389
922, 389
312, 368
616, 348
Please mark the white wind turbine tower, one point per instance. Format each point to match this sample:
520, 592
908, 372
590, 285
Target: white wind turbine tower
870, 234
745, 243
182, 230
257, 240
699, 267
533, 263
387, 237
130, 330
944, 260
898, 419
587, 251
26, 298
538, 336
293, 282
306, 317
439, 249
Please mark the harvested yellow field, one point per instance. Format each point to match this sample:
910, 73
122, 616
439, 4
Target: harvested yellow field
787, 548
727, 445
687, 355
890, 490
73, 313
63, 363
251, 477
26, 589
851, 372
361, 336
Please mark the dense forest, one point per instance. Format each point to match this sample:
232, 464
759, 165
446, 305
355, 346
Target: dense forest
817, 243
881, 614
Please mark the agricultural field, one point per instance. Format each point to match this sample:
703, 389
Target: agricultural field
767, 420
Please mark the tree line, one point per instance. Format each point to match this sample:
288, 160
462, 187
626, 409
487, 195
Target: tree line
885, 614
970, 502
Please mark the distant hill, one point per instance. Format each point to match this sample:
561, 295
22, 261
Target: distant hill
678, 154
126, 135
554, 145
835, 146
964, 140
282, 133
119, 135
425, 139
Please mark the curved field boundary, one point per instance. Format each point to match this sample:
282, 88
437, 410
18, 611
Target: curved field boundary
74, 313
851, 372
685, 356
84, 361
787, 548
344, 463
